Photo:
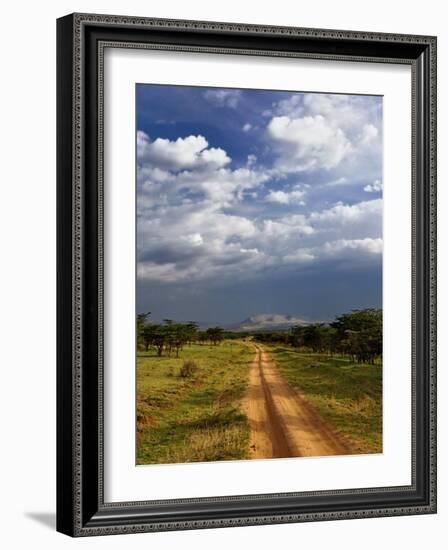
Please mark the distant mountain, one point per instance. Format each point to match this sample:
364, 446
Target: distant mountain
268, 321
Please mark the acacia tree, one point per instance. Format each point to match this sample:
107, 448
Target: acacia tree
215, 335
357, 334
191, 332
143, 340
181, 336
158, 338
312, 337
167, 337
360, 334
295, 337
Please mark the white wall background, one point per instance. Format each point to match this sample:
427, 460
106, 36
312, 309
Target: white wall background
27, 274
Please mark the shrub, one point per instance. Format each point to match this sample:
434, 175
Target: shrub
188, 369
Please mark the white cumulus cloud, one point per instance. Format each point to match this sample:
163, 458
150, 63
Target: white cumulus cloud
284, 197
337, 133
343, 214
375, 187
203, 217
311, 142
184, 153
223, 98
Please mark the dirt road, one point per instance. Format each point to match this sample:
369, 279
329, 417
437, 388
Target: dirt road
282, 423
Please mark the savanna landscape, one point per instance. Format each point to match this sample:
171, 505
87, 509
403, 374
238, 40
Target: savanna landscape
209, 395
259, 257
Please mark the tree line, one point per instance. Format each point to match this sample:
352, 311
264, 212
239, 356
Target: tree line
358, 335
170, 337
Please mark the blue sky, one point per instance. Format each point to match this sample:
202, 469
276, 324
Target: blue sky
257, 202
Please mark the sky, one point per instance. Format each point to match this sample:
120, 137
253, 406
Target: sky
257, 202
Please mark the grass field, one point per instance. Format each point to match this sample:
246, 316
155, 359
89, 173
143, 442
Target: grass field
347, 395
196, 418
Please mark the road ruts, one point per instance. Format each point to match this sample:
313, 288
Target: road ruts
282, 422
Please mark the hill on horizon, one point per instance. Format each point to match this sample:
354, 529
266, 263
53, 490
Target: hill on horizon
268, 321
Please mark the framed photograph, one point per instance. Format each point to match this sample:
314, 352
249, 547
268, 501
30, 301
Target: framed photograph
246, 274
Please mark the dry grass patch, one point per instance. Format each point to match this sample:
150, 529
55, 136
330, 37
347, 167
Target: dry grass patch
209, 445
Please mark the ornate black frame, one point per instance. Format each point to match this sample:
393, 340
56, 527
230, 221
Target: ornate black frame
81, 39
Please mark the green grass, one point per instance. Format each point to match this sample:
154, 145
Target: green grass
347, 395
197, 418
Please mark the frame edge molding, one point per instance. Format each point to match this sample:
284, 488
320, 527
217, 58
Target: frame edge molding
71, 275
